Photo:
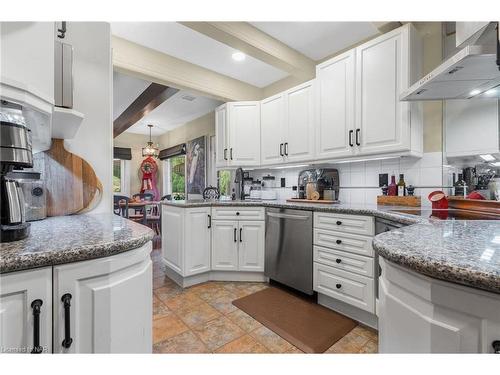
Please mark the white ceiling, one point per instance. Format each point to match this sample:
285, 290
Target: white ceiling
317, 40
125, 90
186, 44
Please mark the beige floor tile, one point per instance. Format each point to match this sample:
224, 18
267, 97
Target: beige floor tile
350, 343
186, 342
182, 300
243, 320
210, 285
244, 344
196, 315
224, 303
370, 347
167, 327
271, 340
294, 350
218, 332
365, 331
167, 291
159, 309
213, 293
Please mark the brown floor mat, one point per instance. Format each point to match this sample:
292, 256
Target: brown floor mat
310, 327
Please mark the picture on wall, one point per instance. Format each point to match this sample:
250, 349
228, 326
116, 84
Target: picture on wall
196, 165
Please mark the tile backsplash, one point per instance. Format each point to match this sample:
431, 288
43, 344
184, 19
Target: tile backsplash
359, 180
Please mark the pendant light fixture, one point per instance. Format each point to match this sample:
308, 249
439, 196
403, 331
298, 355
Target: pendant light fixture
150, 150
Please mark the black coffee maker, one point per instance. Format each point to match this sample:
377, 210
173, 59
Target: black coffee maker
15, 153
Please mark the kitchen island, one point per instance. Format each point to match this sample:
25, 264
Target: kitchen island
93, 271
452, 271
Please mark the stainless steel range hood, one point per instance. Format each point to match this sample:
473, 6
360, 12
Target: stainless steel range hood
472, 72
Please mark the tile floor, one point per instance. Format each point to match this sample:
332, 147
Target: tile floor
202, 319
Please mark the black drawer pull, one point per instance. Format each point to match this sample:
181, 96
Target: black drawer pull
66, 300
36, 307
209, 221
237, 214
338, 286
234, 235
339, 222
338, 242
496, 346
338, 260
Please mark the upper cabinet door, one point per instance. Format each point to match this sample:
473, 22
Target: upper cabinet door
21, 294
110, 306
244, 133
221, 136
382, 121
335, 83
197, 241
299, 136
272, 121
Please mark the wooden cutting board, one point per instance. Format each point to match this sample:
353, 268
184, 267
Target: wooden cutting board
71, 183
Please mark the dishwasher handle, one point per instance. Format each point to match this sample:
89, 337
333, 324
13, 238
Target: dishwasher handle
288, 216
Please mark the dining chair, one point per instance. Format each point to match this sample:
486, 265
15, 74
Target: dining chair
120, 210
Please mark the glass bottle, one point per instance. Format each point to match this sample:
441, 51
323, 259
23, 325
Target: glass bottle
460, 186
393, 188
401, 185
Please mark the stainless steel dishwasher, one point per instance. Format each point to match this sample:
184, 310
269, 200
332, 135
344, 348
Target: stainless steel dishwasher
289, 250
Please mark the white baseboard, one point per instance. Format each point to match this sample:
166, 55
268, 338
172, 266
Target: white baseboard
362, 316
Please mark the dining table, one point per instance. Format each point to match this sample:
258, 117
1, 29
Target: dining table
137, 204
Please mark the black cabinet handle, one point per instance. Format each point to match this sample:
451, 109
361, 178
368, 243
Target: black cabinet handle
237, 214
66, 300
286, 148
338, 242
350, 138
496, 346
36, 307
241, 231
338, 286
338, 260
357, 137
225, 154
339, 222
209, 221
234, 235
231, 153
281, 149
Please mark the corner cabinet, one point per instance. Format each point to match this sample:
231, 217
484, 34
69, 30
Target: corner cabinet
359, 112
237, 130
287, 126
95, 306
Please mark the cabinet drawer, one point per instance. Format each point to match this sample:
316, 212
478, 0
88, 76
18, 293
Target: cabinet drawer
352, 243
238, 213
344, 261
355, 224
348, 287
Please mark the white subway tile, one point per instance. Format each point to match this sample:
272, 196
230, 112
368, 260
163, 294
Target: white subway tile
357, 178
431, 177
412, 176
371, 195
431, 159
357, 196
344, 196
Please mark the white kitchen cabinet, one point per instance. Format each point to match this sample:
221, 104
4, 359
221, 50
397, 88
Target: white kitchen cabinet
221, 136
471, 127
335, 106
186, 239
225, 245
272, 129
20, 294
110, 304
251, 246
244, 133
382, 73
418, 314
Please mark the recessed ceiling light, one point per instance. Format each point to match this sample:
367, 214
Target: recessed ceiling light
239, 56
496, 164
475, 92
487, 157
491, 92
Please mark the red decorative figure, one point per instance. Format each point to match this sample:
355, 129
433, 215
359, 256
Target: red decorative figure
149, 170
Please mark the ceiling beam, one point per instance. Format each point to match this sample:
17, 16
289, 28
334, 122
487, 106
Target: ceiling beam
254, 42
154, 95
151, 65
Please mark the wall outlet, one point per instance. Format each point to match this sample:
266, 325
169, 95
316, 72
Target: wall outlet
383, 179
283, 182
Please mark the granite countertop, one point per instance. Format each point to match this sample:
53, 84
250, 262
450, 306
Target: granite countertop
465, 252
67, 239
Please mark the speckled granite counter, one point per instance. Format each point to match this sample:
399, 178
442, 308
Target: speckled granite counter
67, 239
465, 252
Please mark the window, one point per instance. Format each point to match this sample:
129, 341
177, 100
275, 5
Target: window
224, 182
174, 176
120, 176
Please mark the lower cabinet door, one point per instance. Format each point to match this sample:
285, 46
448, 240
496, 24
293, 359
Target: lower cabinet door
104, 305
197, 241
251, 242
224, 245
26, 311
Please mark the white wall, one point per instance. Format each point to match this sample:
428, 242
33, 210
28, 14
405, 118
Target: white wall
92, 80
359, 180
